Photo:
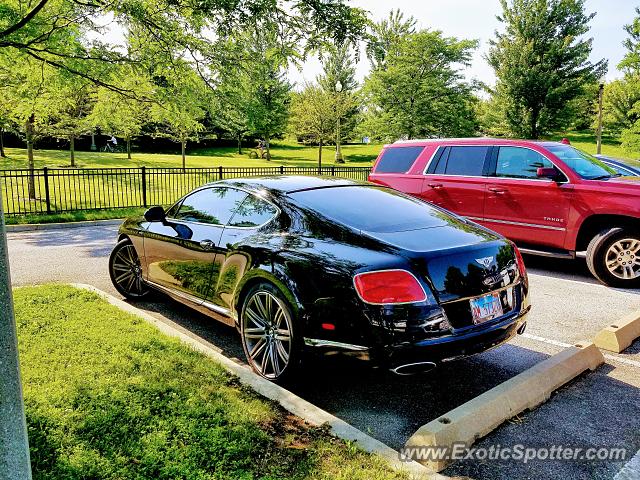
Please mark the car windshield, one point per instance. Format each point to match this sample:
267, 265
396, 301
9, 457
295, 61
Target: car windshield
370, 208
585, 165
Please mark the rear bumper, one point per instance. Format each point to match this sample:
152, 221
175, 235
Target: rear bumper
455, 346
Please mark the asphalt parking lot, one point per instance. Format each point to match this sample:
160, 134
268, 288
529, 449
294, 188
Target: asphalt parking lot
597, 409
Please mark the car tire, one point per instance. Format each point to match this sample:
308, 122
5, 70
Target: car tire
269, 334
613, 257
126, 272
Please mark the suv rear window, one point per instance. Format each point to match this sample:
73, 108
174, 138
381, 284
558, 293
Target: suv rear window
397, 159
468, 161
352, 205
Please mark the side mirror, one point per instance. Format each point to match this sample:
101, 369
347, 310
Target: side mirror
547, 172
155, 214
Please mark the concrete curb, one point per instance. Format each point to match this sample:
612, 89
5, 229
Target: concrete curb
30, 227
619, 335
481, 415
289, 401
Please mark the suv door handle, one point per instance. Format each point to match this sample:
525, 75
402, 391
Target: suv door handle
497, 190
436, 186
207, 244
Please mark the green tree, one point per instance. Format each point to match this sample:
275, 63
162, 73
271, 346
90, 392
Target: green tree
123, 116
339, 80
419, 91
621, 109
29, 89
312, 116
620, 97
231, 104
70, 100
541, 62
385, 35
179, 109
266, 89
630, 64
65, 34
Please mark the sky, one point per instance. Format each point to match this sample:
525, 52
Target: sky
476, 19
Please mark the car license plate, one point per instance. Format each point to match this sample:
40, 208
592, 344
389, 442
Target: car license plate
485, 308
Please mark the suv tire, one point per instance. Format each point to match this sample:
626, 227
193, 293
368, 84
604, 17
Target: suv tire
613, 257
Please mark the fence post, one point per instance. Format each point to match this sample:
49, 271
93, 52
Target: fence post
46, 189
220, 172
333, 170
281, 170
144, 185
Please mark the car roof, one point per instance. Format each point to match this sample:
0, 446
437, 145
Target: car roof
472, 141
288, 183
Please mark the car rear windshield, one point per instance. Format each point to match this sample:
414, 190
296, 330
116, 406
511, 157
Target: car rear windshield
370, 208
397, 159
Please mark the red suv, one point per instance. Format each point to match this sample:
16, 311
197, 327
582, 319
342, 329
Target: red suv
550, 198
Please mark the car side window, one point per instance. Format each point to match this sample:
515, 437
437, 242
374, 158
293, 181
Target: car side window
398, 159
214, 206
467, 161
253, 212
517, 162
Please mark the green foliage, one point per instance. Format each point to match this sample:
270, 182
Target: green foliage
418, 91
630, 64
313, 116
385, 35
180, 105
622, 112
619, 98
109, 397
266, 89
123, 116
339, 79
541, 62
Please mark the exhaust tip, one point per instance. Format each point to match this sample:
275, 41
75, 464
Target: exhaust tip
413, 368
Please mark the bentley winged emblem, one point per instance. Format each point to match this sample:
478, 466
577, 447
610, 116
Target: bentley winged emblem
485, 262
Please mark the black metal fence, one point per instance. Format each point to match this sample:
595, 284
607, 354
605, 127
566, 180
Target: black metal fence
56, 190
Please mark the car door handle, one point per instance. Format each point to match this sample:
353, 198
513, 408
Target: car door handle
436, 186
207, 244
497, 190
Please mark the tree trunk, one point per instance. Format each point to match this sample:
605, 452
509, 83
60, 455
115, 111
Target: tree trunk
2, 154
184, 158
320, 156
129, 148
266, 144
72, 153
533, 128
29, 134
239, 144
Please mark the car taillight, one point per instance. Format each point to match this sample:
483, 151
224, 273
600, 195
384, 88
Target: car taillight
389, 286
520, 262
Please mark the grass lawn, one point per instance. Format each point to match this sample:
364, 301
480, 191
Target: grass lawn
78, 216
283, 153
109, 397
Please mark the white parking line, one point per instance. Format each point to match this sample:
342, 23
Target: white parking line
608, 356
631, 470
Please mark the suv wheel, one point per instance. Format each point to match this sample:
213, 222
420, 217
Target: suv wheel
613, 257
268, 336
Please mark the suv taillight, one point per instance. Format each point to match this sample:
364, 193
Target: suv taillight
389, 286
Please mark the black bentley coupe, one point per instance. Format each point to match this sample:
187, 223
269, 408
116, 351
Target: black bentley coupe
310, 263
